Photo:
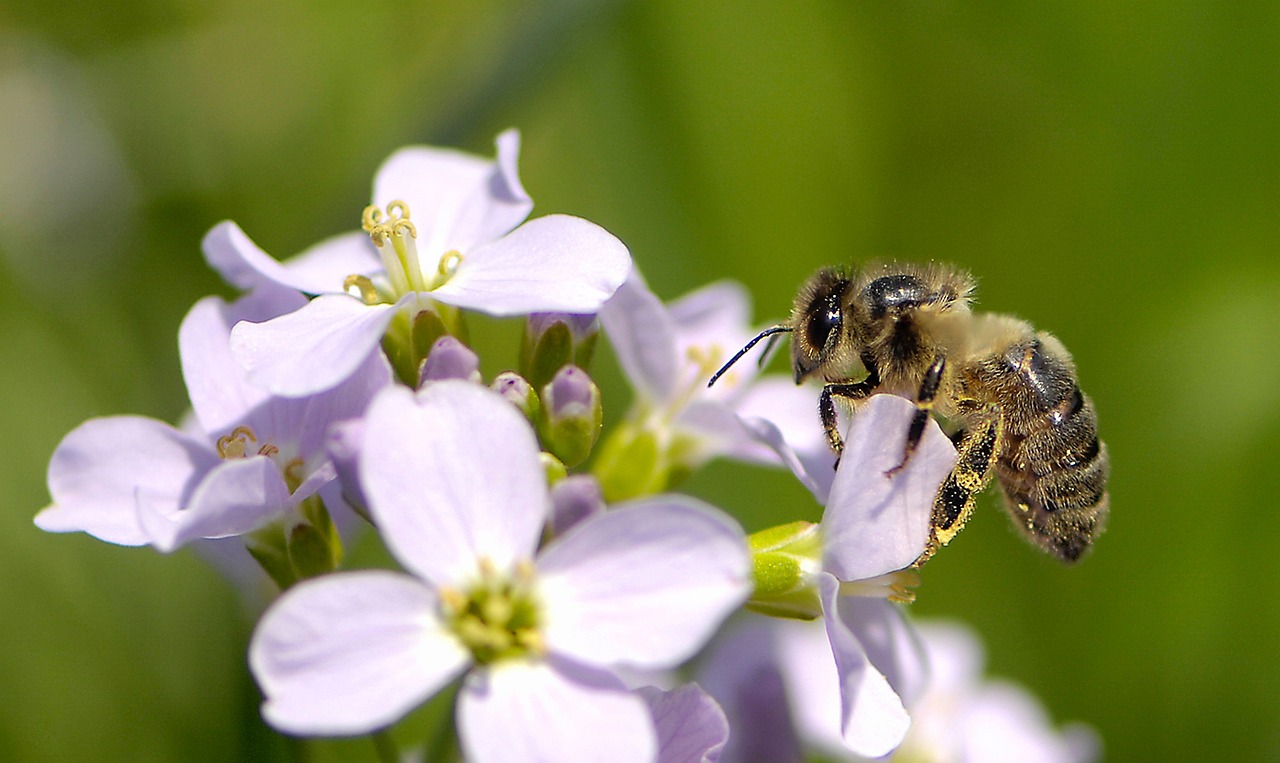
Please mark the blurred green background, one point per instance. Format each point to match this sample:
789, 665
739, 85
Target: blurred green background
1110, 172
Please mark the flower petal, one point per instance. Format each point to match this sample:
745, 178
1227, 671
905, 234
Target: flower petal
236, 497
456, 200
711, 324
891, 643
556, 263
644, 585
874, 721
100, 469
720, 431
351, 653
875, 524
532, 712
785, 417
691, 727
743, 672
453, 477
219, 389
311, 349
304, 422
318, 270
643, 337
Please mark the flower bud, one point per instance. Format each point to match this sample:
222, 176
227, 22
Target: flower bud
519, 392
554, 340
449, 359
571, 415
574, 499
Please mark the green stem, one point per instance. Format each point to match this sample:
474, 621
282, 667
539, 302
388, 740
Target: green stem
385, 746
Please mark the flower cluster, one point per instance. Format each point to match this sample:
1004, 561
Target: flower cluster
550, 581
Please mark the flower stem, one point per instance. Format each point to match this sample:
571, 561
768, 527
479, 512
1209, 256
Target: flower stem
385, 746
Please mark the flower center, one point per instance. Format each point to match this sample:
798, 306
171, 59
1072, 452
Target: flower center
395, 237
496, 617
241, 444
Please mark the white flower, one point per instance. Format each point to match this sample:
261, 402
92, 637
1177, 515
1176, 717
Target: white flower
444, 232
457, 490
669, 353
132, 480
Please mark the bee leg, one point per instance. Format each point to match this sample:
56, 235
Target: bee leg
977, 452
924, 404
827, 409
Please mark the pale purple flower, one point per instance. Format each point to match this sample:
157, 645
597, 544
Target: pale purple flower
873, 528
456, 487
691, 726
250, 458
788, 686
669, 353
444, 232
965, 718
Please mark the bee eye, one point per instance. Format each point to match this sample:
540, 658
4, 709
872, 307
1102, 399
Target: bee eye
824, 321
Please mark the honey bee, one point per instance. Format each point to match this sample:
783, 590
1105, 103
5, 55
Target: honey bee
1011, 389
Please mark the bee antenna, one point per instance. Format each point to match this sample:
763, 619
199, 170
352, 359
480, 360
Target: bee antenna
738, 355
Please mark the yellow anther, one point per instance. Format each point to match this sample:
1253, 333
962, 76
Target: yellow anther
236, 444
394, 222
449, 262
531, 639
452, 599
293, 471
706, 359
397, 210
367, 292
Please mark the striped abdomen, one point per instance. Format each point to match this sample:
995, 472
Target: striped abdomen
1052, 467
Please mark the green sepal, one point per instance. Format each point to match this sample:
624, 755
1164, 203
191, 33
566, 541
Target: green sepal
554, 468
783, 561
310, 552
268, 546
314, 545
542, 357
397, 343
586, 351
427, 328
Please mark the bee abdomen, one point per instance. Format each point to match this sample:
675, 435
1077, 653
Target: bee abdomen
1053, 468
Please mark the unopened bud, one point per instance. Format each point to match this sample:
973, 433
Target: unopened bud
574, 499
516, 390
450, 359
571, 415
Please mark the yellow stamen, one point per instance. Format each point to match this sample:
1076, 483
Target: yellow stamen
236, 444
449, 262
368, 293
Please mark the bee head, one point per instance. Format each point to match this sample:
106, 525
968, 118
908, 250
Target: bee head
818, 322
